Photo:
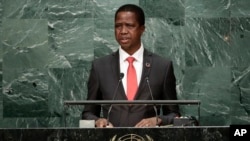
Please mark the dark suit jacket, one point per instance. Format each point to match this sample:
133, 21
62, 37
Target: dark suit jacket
103, 80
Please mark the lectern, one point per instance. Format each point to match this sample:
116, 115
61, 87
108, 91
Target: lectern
163, 133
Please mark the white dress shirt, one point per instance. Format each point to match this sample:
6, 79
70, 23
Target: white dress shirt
138, 55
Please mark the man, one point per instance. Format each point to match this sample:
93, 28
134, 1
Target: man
149, 72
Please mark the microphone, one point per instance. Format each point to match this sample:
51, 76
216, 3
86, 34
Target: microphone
114, 96
151, 94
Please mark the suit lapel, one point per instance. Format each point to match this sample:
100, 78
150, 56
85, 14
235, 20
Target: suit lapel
115, 64
147, 64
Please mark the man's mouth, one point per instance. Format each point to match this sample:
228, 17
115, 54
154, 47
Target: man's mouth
124, 40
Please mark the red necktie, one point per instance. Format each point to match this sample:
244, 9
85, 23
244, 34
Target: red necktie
131, 79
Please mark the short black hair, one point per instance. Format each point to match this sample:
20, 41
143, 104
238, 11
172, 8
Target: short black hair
135, 9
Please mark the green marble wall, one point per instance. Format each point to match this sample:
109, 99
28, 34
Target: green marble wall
47, 47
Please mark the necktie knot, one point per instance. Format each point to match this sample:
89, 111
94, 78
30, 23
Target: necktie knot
130, 59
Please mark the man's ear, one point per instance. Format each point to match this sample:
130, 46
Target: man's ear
142, 28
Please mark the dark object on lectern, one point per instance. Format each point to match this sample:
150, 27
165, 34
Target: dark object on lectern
186, 121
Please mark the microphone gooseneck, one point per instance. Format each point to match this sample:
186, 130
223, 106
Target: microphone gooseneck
151, 94
114, 96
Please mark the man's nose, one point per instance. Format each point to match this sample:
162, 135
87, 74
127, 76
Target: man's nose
124, 30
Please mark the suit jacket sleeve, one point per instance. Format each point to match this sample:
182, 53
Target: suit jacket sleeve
169, 93
92, 112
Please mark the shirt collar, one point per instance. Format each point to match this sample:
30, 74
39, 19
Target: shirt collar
138, 55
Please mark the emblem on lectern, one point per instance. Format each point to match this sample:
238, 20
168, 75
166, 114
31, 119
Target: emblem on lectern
131, 137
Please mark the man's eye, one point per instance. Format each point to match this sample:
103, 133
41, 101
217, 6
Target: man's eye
130, 26
117, 26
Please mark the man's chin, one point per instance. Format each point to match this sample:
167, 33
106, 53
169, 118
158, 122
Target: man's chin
124, 46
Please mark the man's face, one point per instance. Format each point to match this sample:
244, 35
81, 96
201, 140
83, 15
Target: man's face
128, 31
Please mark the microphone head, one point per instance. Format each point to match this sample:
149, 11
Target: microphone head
121, 75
